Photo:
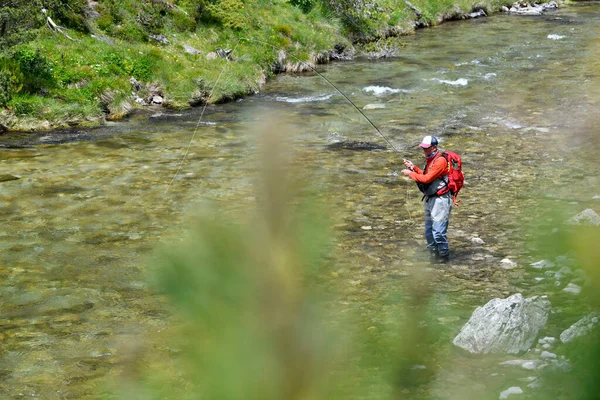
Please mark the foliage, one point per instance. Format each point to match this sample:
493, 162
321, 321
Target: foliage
226, 13
19, 21
36, 69
69, 13
11, 80
304, 5
301, 28
142, 68
5, 92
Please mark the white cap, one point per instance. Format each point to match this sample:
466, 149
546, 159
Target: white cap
428, 141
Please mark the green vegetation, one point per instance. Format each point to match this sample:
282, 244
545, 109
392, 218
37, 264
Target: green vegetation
81, 71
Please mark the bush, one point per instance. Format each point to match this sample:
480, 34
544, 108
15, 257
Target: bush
182, 22
25, 105
5, 93
11, 81
304, 5
19, 21
142, 68
69, 13
227, 13
36, 70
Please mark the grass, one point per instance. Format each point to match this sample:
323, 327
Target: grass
91, 78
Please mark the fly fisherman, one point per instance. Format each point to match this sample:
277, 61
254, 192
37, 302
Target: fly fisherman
432, 181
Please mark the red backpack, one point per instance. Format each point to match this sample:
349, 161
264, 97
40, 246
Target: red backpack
456, 178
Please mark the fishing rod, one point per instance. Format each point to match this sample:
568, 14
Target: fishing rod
332, 85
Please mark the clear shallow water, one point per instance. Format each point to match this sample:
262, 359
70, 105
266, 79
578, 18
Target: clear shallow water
516, 96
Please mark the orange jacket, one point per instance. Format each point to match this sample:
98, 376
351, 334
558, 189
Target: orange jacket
436, 168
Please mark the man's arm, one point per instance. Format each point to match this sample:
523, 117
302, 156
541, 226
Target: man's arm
437, 170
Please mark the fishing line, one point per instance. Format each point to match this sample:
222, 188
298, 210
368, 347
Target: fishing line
346, 97
332, 85
187, 151
297, 59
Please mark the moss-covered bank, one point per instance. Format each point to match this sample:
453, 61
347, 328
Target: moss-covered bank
84, 62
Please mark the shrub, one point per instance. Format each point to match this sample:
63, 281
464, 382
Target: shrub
142, 68
228, 13
182, 22
36, 70
285, 30
5, 93
11, 81
25, 105
304, 5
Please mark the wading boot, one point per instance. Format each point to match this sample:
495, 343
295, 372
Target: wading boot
433, 256
445, 259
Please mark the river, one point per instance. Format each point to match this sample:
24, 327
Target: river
81, 212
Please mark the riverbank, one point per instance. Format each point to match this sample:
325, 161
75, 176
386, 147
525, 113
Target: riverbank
80, 78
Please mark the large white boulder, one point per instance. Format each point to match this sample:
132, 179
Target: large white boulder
504, 325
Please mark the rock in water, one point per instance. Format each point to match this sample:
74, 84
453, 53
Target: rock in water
353, 145
510, 391
586, 217
580, 328
504, 325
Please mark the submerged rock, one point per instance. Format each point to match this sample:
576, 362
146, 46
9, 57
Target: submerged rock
374, 106
353, 145
510, 391
587, 217
542, 264
572, 288
580, 328
8, 177
504, 325
507, 263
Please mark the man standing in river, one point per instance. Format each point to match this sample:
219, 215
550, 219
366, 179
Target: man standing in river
433, 182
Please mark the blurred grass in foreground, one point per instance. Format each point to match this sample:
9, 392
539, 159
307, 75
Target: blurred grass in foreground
254, 313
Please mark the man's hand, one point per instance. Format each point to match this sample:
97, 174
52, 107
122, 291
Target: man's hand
409, 164
406, 172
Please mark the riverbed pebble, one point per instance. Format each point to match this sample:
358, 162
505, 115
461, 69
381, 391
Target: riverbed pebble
511, 391
477, 240
508, 263
547, 355
572, 288
547, 339
542, 264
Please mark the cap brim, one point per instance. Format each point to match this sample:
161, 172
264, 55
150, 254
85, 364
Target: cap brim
425, 145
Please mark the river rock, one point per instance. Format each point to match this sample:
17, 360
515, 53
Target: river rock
342, 52
510, 391
547, 355
580, 328
542, 264
476, 240
587, 217
373, 106
508, 264
477, 14
8, 177
504, 325
572, 288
